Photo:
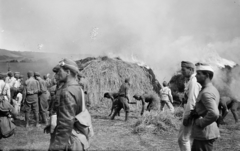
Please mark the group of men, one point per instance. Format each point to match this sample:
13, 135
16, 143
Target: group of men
69, 98
200, 110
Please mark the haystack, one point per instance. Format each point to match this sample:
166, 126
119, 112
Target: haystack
107, 74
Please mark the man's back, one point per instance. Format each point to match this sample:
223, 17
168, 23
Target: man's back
124, 89
32, 86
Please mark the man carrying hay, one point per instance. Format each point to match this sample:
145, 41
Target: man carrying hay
123, 99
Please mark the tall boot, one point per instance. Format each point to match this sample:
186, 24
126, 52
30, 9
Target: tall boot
26, 120
44, 118
126, 116
114, 114
37, 120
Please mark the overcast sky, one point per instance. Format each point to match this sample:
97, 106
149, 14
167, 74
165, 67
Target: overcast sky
160, 33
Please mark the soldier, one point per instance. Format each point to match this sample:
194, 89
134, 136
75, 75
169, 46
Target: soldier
123, 99
43, 96
69, 106
31, 101
205, 130
166, 97
192, 89
151, 98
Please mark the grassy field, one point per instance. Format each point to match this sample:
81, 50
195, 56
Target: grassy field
139, 133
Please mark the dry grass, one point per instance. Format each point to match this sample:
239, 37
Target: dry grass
149, 132
157, 122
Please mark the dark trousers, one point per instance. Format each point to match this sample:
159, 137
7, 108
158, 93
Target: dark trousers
202, 145
32, 106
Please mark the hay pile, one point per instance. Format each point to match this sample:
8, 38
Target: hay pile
159, 122
106, 74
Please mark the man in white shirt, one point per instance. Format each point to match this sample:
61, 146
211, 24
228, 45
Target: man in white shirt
4, 88
166, 97
192, 88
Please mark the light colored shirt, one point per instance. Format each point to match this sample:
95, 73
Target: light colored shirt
192, 89
11, 81
17, 83
165, 93
5, 89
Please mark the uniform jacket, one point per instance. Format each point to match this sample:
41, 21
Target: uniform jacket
42, 85
32, 86
205, 127
70, 104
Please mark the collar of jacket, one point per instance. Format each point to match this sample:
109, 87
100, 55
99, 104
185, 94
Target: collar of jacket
71, 82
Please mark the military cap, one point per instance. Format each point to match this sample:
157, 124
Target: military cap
187, 64
204, 67
37, 74
30, 73
56, 69
69, 64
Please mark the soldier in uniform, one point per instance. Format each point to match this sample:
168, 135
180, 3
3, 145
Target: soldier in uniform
123, 99
151, 98
31, 95
43, 96
69, 105
205, 130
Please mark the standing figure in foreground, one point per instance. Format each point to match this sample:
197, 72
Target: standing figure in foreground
205, 130
123, 99
191, 91
69, 132
166, 97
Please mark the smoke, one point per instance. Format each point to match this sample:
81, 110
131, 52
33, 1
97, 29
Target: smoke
158, 33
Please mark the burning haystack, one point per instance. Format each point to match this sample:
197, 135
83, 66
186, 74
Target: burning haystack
106, 74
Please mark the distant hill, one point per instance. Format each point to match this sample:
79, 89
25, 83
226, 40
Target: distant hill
30, 56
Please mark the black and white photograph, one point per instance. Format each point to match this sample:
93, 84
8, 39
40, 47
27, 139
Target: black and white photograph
158, 75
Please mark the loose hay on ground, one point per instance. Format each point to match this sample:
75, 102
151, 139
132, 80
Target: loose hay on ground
157, 122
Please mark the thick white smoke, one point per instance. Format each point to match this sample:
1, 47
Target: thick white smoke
159, 33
